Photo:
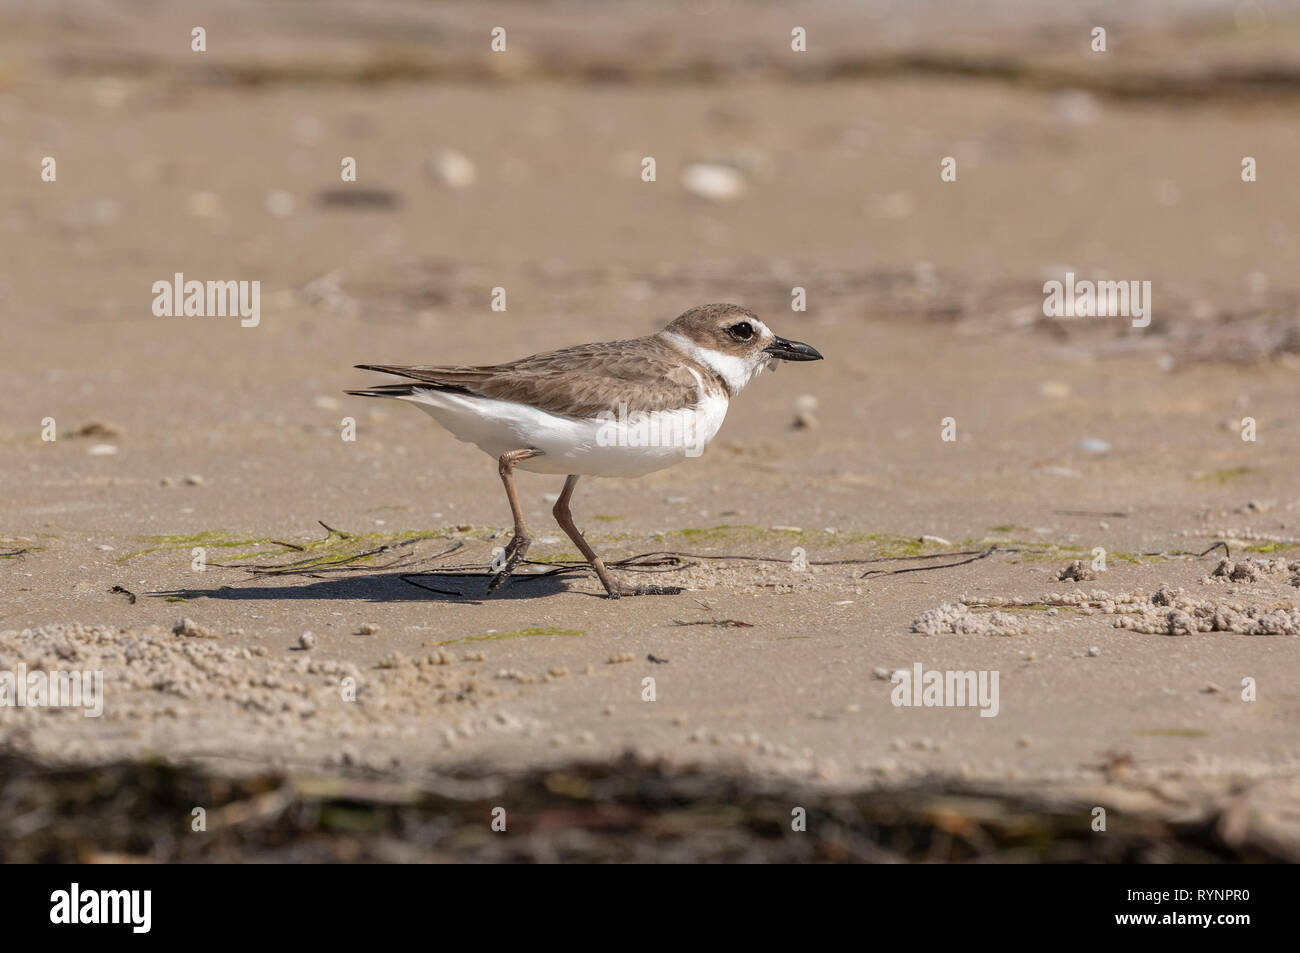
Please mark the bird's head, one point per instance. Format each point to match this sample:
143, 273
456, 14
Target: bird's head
733, 343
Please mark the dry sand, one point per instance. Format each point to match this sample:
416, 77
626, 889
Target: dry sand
925, 296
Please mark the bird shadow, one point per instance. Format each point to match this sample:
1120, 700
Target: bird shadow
461, 588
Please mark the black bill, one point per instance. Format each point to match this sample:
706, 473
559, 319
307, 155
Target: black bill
792, 350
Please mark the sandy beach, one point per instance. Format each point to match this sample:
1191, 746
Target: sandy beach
829, 537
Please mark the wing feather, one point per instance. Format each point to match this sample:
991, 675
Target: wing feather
582, 381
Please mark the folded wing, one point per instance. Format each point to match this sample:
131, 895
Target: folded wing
578, 382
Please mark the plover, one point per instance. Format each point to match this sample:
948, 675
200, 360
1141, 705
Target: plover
615, 409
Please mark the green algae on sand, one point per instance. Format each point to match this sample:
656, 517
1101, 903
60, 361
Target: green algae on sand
529, 632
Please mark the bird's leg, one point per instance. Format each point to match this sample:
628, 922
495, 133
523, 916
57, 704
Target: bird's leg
616, 589
518, 545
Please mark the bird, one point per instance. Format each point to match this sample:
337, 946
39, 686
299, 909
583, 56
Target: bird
610, 409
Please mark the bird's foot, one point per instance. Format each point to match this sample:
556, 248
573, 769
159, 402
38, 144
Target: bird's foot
514, 555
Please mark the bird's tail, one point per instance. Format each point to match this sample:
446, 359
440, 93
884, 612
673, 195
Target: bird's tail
385, 390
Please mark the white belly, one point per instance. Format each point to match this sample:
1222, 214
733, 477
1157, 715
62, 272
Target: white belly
626, 446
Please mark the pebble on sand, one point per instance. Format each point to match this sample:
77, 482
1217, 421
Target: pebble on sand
713, 181
805, 412
805, 420
451, 168
189, 627
306, 641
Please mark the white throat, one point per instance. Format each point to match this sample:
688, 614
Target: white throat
735, 371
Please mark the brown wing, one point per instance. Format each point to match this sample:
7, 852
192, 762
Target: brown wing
578, 381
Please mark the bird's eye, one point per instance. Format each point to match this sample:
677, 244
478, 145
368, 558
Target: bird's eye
742, 331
